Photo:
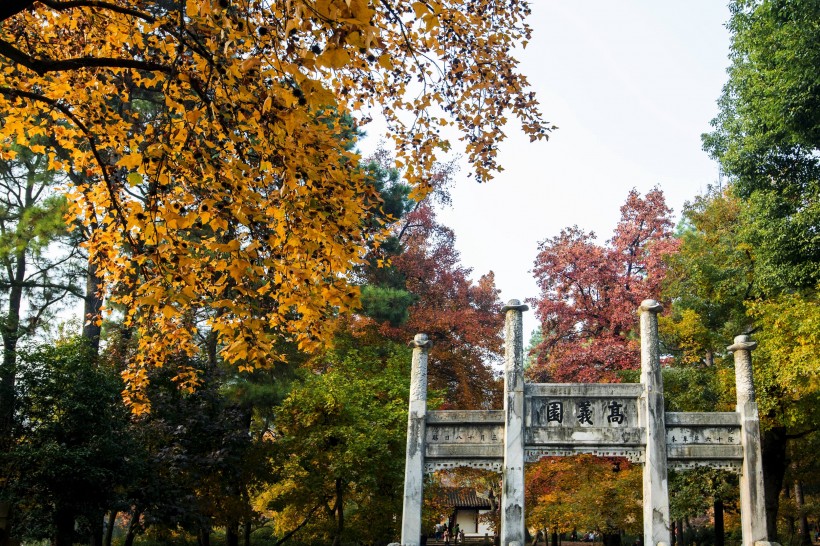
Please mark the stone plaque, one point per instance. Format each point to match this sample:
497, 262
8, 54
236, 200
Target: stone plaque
464, 438
584, 416
696, 439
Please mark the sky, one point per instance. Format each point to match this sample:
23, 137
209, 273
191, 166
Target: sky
631, 86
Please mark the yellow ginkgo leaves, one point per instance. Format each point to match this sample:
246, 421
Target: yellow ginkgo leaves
210, 147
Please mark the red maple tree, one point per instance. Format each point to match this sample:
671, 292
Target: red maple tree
461, 317
590, 293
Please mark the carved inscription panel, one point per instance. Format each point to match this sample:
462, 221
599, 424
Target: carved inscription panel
583, 412
582, 415
459, 436
464, 434
702, 435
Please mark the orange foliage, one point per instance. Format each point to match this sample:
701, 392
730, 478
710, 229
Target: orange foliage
210, 162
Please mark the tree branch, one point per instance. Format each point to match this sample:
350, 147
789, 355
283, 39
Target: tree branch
89, 136
42, 67
298, 527
10, 8
60, 6
801, 434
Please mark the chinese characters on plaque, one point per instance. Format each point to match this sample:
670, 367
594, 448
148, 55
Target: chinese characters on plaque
582, 412
464, 434
710, 435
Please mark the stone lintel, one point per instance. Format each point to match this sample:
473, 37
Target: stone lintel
634, 454
452, 417
464, 451
730, 465
435, 465
703, 419
695, 451
588, 436
584, 390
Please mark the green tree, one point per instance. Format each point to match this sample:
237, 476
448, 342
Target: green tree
708, 281
766, 138
38, 261
194, 459
340, 445
767, 135
70, 456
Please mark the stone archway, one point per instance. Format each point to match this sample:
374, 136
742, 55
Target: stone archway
626, 420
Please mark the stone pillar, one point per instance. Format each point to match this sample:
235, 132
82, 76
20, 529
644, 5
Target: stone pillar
416, 424
512, 497
752, 504
656, 523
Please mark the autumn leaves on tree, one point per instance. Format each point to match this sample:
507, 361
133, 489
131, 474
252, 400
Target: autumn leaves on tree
589, 293
212, 144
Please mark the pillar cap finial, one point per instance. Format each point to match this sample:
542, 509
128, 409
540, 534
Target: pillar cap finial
742, 342
515, 305
421, 341
650, 305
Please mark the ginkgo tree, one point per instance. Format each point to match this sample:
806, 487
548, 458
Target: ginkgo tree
219, 184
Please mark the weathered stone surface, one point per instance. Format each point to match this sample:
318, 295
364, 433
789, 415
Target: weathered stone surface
656, 525
464, 438
512, 498
626, 420
634, 454
752, 505
698, 452
414, 464
465, 416
584, 437
490, 433
699, 439
585, 390
434, 465
582, 412
705, 419
465, 451
702, 435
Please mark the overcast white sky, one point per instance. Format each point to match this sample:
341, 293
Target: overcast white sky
631, 85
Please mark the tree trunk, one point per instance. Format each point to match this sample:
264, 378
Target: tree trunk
97, 520
232, 534
11, 335
247, 533
133, 525
204, 536
109, 528
799, 501
340, 513
64, 526
91, 309
720, 537
774, 469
